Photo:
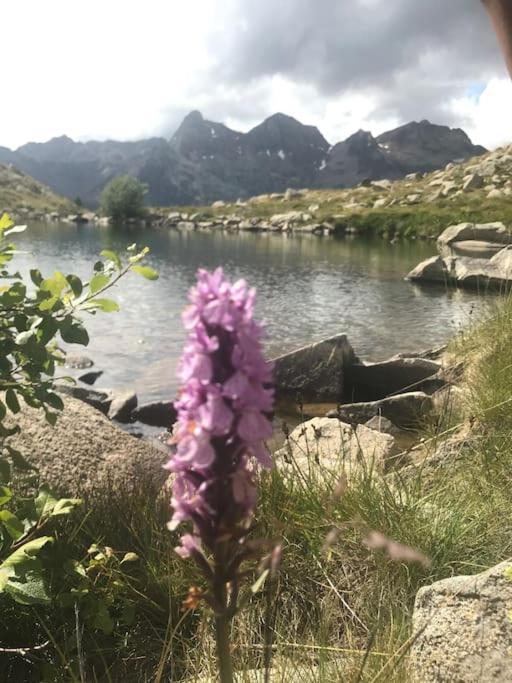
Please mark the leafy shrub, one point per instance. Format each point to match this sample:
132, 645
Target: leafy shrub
31, 321
123, 197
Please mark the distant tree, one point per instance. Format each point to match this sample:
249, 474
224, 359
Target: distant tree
79, 202
123, 197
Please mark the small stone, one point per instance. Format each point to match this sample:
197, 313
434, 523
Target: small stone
78, 362
90, 377
122, 406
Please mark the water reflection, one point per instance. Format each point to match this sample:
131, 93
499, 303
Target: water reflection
308, 288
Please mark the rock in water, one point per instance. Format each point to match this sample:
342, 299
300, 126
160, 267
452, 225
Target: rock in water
122, 406
156, 414
462, 629
375, 381
90, 377
486, 232
315, 372
78, 362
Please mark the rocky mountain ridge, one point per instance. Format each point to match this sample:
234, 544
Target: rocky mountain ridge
206, 161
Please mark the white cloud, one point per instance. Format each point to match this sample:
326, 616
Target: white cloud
98, 69
128, 69
488, 116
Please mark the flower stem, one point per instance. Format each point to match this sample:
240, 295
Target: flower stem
223, 649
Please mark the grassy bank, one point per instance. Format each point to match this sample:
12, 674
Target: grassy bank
421, 206
340, 615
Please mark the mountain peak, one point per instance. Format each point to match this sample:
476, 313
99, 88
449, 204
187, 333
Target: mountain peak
193, 118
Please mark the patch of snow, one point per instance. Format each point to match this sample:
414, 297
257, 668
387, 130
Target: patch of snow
322, 165
384, 146
212, 131
281, 154
212, 156
268, 152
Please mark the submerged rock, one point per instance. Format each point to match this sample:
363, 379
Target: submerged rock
462, 629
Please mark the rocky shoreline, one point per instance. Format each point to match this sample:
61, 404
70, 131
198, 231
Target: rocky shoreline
374, 424
477, 256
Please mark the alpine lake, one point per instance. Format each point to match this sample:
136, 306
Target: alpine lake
309, 288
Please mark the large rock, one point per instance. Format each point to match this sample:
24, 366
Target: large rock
315, 372
475, 248
403, 410
156, 414
85, 454
337, 447
100, 400
462, 629
487, 232
431, 270
375, 381
464, 271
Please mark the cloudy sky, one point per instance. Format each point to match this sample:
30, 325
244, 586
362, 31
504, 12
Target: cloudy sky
126, 69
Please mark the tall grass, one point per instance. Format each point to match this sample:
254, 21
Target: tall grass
341, 614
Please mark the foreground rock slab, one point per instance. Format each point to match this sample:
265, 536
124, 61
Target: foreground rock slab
337, 447
463, 629
315, 372
374, 381
403, 410
85, 454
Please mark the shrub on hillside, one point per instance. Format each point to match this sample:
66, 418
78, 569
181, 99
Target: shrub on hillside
123, 197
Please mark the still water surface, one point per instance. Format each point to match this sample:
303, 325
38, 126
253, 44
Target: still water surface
308, 288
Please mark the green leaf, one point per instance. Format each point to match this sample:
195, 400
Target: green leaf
12, 524
36, 277
23, 337
48, 304
73, 332
65, 506
105, 305
16, 228
12, 401
5, 470
102, 620
76, 284
146, 272
111, 256
19, 462
98, 281
51, 418
5, 222
55, 285
45, 502
29, 592
5, 495
55, 401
